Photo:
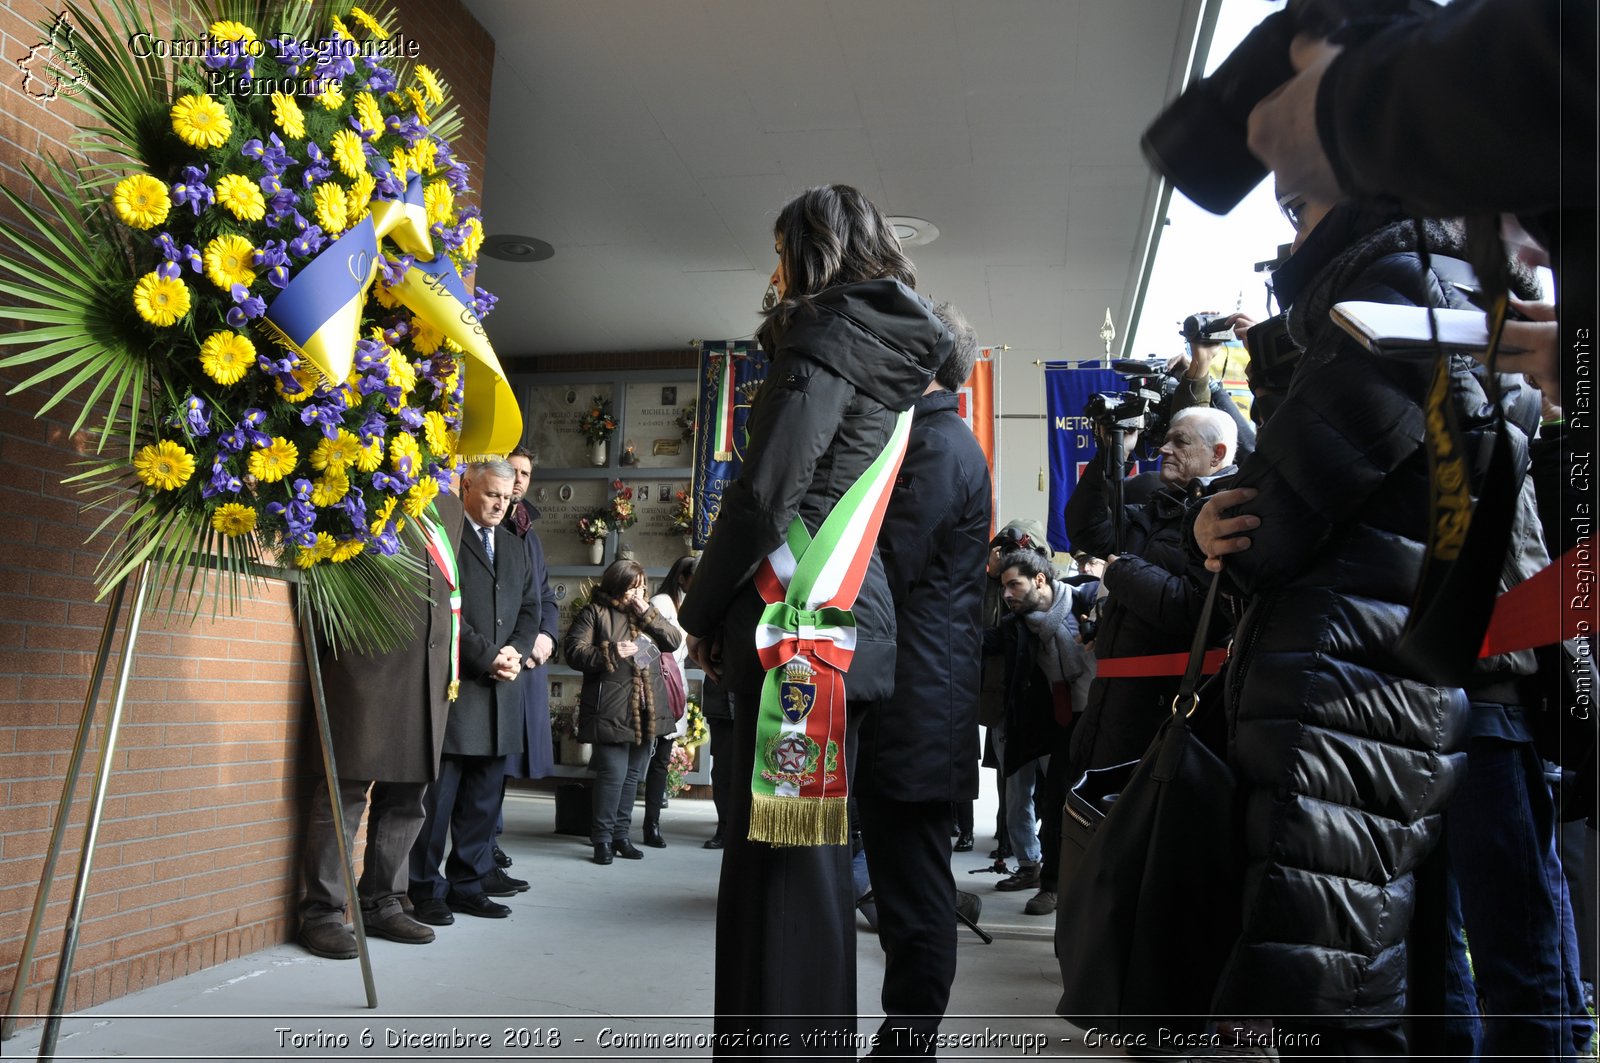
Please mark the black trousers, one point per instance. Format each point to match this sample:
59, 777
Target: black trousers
908, 857
463, 802
786, 932
722, 781
655, 778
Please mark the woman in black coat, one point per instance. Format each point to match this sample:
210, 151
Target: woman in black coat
616, 641
851, 347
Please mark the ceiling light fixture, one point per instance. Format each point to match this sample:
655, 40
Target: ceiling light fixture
913, 232
511, 248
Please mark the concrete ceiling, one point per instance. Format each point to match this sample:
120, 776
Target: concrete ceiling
652, 142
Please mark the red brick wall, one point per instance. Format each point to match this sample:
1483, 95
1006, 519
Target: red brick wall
198, 854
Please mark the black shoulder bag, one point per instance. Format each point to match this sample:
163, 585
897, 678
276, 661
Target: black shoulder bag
1152, 907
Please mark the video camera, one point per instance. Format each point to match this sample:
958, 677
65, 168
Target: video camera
1146, 405
1199, 142
1208, 328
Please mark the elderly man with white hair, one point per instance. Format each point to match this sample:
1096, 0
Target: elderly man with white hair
1151, 591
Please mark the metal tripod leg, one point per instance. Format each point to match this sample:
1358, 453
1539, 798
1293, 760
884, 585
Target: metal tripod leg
91, 833
331, 778
41, 899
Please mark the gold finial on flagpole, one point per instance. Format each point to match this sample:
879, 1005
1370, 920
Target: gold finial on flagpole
1108, 332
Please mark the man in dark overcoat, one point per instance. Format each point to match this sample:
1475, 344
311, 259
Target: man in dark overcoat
387, 713
499, 621
918, 751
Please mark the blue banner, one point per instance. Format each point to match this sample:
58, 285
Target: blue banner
730, 373
1069, 436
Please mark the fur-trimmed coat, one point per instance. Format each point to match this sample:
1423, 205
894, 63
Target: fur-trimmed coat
619, 704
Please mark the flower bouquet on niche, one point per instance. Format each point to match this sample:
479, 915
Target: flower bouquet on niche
622, 512
597, 424
682, 514
257, 296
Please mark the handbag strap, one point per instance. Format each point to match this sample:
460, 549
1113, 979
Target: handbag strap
1197, 656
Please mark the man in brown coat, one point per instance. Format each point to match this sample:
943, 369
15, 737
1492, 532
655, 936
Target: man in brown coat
387, 712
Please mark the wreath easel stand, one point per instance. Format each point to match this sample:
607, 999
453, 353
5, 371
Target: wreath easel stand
140, 579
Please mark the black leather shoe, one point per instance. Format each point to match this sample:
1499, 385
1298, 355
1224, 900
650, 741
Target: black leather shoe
432, 911
499, 884
713, 842
501, 860
627, 850
652, 836
963, 842
602, 853
478, 904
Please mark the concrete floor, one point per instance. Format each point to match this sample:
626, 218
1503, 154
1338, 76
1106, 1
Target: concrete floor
589, 954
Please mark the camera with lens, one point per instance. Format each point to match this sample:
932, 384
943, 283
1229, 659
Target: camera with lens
1208, 328
1146, 405
1200, 143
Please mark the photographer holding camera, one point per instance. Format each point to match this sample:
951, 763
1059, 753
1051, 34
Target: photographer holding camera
1205, 334
1153, 589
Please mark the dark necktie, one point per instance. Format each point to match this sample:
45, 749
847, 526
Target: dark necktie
488, 542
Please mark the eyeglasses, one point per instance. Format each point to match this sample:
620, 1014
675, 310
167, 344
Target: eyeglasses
1293, 205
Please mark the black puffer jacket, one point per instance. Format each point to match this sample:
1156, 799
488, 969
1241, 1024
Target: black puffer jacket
1345, 760
1155, 591
842, 370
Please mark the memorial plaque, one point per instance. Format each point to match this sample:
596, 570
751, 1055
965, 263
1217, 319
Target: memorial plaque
654, 543
564, 691
568, 590
551, 413
560, 503
657, 428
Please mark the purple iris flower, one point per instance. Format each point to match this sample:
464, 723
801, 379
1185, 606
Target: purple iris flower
290, 54
411, 417
222, 482
169, 271
327, 417
319, 168
372, 428
167, 246
308, 243
397, 332
273, 253
191, 254
483, 301
191, 189
196, 416
389, 186
380, 79
355, 507
247, 433
253, 149
387, 544
394, 271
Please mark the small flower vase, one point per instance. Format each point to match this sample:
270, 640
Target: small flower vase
573, 752
597, 452
597, 551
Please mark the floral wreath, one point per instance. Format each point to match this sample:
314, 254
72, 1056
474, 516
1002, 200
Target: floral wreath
265, 402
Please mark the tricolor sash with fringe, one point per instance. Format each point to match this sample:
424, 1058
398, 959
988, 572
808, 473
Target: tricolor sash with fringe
805, 640
445, 558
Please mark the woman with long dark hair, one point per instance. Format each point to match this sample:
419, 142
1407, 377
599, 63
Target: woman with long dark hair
852, 346
616, 641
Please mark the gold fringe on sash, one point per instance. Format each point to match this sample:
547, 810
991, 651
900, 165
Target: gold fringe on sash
788, 821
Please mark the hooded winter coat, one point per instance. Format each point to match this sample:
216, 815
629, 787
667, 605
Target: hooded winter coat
1345, 759
843, 368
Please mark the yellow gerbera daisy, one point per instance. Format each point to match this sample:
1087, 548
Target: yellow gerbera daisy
232, 31
431, 87
471, 240
425, 339
160, 300
336, 453
402, 374
346, 147
340, 31
369, 115
141, 201
227, 356
402, 162
320, 551
164, 465
419, 496
234, 519
425, 153
419, 105
382, 515
229, 260
287, 114
371, 456
346, 549
201, 121
401, 447
333, 211
436, 433
329, 488
369, 23
358, 198
241, 196
332, 97
274, 461
440, 202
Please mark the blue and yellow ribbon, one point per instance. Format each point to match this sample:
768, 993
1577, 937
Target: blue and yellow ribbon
318, 314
